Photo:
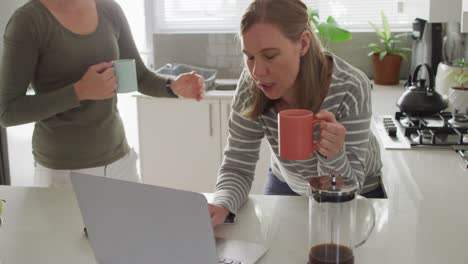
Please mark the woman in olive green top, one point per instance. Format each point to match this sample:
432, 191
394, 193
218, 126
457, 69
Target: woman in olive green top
63, 48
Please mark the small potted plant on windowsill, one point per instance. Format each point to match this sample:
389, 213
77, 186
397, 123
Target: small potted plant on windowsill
386, 56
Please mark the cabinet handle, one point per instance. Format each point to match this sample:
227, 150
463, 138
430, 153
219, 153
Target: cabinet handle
228, 110
211, 119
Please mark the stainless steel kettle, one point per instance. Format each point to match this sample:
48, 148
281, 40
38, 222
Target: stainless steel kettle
420, 99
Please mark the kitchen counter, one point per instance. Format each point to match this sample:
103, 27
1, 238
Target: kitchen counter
212, 94
227, 90
423, 221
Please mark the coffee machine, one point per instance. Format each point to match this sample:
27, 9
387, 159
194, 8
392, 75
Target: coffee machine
427, 44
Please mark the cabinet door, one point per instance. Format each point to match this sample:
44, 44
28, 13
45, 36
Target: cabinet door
263, 163
179, 142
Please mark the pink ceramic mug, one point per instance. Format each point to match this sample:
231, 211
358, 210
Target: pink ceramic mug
296, 134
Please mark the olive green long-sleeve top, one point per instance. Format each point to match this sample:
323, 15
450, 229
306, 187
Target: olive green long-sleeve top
41, 52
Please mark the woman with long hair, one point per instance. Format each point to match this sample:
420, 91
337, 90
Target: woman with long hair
287, 68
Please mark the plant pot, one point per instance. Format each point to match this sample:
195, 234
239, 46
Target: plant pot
446, 77
458, 100
386, 71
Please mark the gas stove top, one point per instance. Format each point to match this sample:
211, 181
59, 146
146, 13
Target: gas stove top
463, 151
442, 130
439, 131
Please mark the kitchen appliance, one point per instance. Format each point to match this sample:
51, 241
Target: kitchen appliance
449, 69
131, 222
427, 44
420, 99
453, 44
463, 151
443, 130
333, 212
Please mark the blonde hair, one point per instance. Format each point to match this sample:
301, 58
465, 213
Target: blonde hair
291, 18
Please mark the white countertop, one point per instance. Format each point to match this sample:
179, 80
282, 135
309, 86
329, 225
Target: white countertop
423, 221
209, 95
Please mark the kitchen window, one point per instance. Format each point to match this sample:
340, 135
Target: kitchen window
137, 18
211, 16
182, 16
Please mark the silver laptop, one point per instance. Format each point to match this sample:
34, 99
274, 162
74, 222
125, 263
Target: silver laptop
129, 222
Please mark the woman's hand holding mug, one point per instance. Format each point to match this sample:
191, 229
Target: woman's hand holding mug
296, 134
98, 83
332, 135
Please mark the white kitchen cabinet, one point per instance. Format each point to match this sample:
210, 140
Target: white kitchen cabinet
182, 143
263, 163
434, 11
179, 142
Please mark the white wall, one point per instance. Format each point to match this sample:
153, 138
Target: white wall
19, 139
7, 7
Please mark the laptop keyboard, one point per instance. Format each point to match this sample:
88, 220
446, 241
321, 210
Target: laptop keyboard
228, 261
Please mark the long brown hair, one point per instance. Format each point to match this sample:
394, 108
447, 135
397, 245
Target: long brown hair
291, 18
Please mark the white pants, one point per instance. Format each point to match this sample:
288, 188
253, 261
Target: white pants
122, 169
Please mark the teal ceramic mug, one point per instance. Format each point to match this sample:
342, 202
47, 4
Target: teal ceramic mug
126, 75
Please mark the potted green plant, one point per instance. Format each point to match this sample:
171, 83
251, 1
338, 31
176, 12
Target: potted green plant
386, 55
459, 73
458, 90
328, 30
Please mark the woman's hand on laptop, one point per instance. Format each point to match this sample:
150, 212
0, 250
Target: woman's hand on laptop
217, 213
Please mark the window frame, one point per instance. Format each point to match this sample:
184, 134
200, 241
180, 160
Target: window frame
160, 26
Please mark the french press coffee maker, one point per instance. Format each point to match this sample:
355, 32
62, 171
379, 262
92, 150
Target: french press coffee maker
332, 219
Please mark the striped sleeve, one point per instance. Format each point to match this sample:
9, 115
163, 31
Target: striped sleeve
241, 154
354, 113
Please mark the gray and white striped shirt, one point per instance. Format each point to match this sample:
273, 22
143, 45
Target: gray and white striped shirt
348, 98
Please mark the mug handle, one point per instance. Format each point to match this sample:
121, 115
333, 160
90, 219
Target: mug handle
314, 123
371, 228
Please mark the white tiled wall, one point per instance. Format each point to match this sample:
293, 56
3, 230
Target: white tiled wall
223, 52
215, 51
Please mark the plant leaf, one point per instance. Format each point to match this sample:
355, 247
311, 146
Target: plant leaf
401, 54
314, 16
329, 30
315, 21
377, 30
370, 54
375, 48
405, 49
453, 75
463, 79
382, 55
461, 62
373, 45
401, 35
333, 32
331, 21
386, 26
313, 12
